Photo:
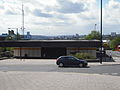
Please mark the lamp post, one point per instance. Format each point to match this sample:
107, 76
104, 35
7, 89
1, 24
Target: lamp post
101, 44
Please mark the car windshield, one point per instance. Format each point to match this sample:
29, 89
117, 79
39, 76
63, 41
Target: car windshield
76, 58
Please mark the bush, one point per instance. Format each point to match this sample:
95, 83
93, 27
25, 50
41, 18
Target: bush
115, 42
83, 56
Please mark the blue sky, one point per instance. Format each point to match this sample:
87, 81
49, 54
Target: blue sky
105, 2
60, 17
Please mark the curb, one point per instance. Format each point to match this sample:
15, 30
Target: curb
3, 58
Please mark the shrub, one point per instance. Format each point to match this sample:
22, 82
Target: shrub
114, 43
83, 56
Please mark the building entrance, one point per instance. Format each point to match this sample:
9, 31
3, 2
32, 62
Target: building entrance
50, 52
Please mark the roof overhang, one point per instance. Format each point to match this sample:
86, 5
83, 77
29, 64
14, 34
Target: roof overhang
50, 43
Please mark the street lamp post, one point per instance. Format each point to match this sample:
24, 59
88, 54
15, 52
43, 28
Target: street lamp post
101, 36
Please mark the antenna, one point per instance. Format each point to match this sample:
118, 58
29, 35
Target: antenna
23, 19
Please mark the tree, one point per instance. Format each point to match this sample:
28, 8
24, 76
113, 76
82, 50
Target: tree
115, 42
13, 37
94, 35
106, 46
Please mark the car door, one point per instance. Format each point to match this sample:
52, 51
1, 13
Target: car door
71, 61
66, 61
74, 61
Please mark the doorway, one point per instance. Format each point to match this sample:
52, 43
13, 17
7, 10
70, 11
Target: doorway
53, 52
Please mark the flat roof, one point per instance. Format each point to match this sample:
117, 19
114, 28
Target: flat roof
50, 43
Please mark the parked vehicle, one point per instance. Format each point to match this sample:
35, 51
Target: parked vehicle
71, 61
117, 48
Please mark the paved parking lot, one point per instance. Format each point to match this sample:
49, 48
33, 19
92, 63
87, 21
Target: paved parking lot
45, 75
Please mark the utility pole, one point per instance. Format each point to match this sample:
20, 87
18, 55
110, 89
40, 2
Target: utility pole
101, 36
23, 20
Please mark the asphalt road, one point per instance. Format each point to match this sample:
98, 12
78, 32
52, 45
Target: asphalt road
46, 75
50, 66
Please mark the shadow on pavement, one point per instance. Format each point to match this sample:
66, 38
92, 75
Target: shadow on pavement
108, 59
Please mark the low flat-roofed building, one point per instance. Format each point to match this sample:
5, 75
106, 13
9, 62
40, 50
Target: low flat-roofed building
51, 48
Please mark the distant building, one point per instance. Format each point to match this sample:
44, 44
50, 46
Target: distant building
113, 34
28, 36
11, 32
3, 36
41, 37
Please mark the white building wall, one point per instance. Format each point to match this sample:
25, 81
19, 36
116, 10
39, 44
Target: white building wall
31, 52
36, 52
16, 52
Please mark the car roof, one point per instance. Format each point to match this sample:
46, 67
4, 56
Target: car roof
65, 56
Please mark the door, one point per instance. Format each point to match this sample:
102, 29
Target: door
53, 52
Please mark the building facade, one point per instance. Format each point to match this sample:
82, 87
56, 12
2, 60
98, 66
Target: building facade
51, 48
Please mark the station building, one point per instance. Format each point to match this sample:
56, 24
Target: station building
51, 48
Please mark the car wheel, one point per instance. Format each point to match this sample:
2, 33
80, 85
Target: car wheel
80, 65
61, 65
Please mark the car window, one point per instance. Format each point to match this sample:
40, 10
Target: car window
66, 58
71, 58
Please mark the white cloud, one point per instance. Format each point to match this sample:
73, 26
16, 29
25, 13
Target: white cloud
51, 17
66, 6
112, 16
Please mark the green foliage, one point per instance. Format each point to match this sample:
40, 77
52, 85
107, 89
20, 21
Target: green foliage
106, 45
6, 52
8, 38
13, 37
114, 42
83, 56
9, 49
2, 49
18, 37
94, 35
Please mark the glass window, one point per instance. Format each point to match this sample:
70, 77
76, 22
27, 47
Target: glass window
72, 58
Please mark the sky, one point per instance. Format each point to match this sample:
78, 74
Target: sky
60, 17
